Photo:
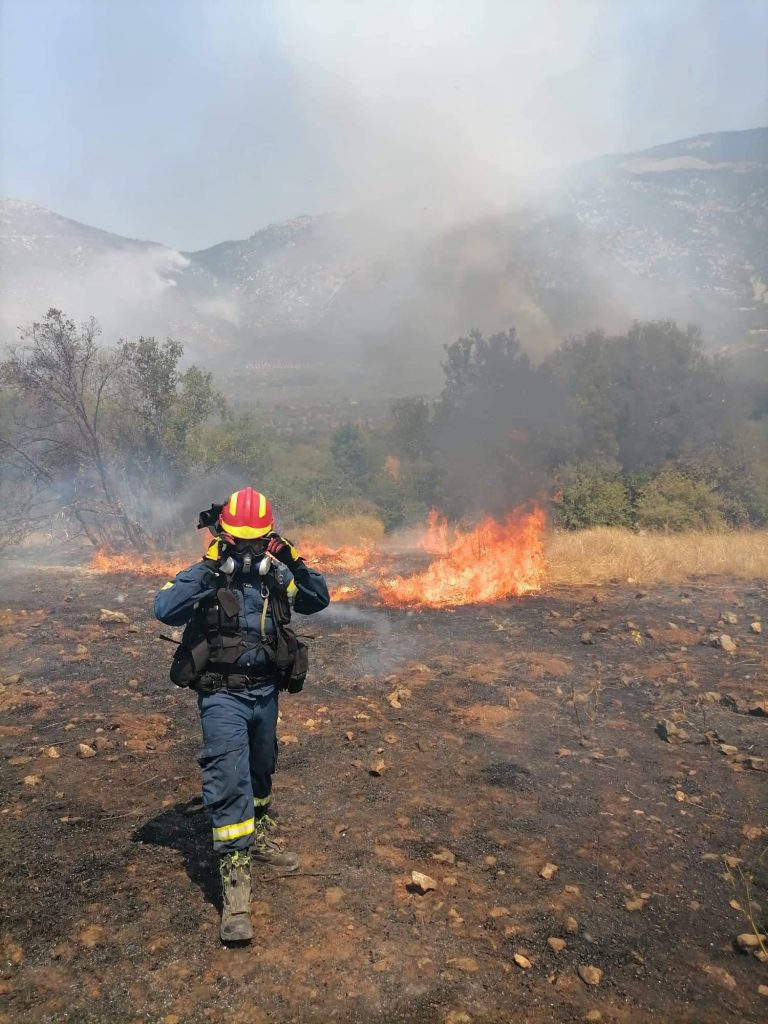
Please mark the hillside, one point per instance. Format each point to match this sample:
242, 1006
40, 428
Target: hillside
676, 230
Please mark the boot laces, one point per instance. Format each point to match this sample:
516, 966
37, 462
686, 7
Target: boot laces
262, 839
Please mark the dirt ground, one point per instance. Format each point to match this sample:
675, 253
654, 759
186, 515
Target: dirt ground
474, 746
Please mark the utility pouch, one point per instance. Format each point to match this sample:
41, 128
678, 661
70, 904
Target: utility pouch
189, 662
300, 668
294, 663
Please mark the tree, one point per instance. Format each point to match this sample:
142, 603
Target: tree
351, 454
646, 397
497, 425
67, 381
162, 411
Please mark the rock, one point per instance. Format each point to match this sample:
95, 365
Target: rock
377, 767
729, 618
555, 944
593, 1016
133, 683
467, 964
587, 638
396, 698
287, 739
548, 871
634, 905
751, 832
334, 896
670, 732
728, 749
759, 708
725, 643
421, 883
589, 975
51, 752
81, 651
732, 862
91, 936
571, 925
32, 780
735, 703
457, 1017
496, 912
444, 856
756, 627
107, 615
522, 961
84, 750
748, 941
720, 975
763, 990
757, 764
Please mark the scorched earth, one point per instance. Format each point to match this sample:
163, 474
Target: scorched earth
579, 774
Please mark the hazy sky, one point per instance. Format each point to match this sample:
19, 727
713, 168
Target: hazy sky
193, 121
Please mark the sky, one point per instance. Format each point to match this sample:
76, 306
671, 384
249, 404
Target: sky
194, 121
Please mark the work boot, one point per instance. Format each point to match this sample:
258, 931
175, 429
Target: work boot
235, 870
268, 850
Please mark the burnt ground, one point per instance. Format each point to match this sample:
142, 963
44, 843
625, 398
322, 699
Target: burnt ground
526, 735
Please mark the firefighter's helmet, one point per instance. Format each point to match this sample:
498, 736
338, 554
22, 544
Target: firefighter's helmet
247, 515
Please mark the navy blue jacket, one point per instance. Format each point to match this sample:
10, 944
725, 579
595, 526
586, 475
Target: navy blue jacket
182, 602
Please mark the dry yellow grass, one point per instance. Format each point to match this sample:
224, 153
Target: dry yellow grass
607, 553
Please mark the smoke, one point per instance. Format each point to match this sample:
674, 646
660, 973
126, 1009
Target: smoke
438, 133
450, 109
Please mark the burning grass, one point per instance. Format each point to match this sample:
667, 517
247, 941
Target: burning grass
450, 567
605, 553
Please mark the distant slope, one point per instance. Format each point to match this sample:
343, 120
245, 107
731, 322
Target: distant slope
676, 230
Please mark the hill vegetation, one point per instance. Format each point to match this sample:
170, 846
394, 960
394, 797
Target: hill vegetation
121, 446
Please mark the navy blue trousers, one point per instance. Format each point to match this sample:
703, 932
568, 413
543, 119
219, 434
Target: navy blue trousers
237, 762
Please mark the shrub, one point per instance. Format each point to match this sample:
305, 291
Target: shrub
673, 501
592, 498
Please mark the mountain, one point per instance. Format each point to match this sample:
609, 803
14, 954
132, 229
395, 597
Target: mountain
677, 230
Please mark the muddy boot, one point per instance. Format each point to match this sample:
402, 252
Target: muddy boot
235, 869
268, 850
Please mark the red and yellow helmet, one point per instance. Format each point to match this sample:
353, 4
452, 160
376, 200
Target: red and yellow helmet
247, 515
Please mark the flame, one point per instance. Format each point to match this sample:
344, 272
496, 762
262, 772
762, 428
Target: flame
136, 565
346, 558
489, 563
435, 540
493, 561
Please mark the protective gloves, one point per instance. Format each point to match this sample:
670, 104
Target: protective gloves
284, 551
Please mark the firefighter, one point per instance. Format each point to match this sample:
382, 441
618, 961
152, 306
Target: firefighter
237, 652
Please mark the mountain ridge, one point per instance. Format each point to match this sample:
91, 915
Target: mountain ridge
673, 230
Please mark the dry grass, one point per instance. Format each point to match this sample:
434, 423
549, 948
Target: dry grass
607, 553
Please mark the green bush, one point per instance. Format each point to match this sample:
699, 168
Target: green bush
673, 501
592, 498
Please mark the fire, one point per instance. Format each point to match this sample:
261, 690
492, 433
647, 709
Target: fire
493, 561
489, 563
346, 558
135, 565
435, 539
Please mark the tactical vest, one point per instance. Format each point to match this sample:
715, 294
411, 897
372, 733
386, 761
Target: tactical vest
217, 646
